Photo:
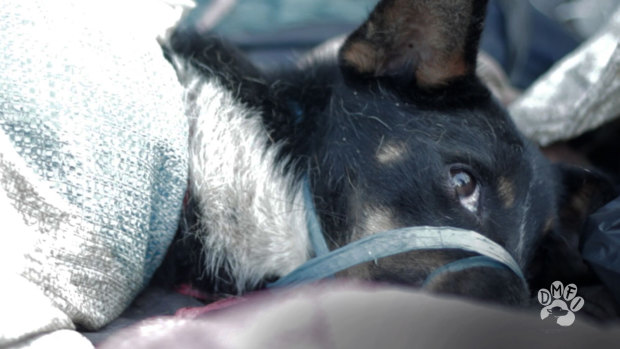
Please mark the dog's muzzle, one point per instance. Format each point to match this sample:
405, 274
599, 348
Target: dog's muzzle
371, 248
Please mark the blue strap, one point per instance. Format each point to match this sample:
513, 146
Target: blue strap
463, 264
314, 227
393, 242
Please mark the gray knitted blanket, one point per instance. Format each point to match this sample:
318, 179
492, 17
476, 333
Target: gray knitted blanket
92, 162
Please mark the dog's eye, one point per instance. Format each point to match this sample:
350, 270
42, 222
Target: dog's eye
466, 188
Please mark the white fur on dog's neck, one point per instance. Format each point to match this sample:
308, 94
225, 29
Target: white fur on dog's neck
251, 212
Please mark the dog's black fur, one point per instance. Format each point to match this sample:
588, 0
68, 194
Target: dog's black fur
398, 131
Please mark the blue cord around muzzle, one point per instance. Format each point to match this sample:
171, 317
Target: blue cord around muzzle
371, 248
398, 241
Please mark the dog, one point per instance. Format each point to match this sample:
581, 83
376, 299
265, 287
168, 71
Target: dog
396, 130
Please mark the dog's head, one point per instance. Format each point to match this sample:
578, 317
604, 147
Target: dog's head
409, 136
395, 131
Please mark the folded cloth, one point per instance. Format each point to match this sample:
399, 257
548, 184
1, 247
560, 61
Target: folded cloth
601, 245
92, 154
579, 94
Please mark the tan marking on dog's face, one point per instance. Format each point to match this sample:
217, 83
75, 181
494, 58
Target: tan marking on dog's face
391, 152
378, 220
373, 221
506, 190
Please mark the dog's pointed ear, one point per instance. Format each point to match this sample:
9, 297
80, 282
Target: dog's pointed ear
559, 256
428, 42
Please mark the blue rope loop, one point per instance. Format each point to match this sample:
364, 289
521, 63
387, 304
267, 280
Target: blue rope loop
319, 245
326, 263
392, 242
464, 264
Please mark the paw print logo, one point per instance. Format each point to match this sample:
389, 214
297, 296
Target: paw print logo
560, 303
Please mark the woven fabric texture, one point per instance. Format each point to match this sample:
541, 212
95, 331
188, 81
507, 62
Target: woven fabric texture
93, 154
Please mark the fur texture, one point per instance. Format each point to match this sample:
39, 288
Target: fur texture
394, 131
252, 208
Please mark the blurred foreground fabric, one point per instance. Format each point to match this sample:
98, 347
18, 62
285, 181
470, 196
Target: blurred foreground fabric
357, 315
